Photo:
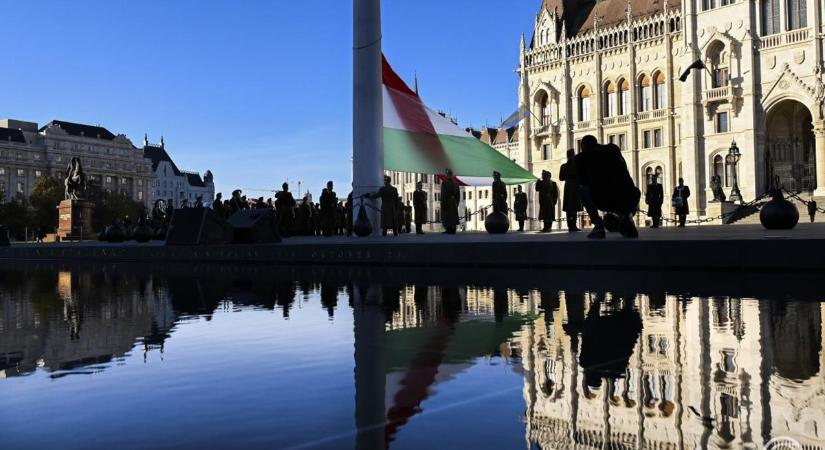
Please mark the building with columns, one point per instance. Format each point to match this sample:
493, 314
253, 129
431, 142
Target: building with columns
611, 69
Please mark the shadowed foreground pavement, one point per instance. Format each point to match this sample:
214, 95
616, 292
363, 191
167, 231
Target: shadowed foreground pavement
732, 247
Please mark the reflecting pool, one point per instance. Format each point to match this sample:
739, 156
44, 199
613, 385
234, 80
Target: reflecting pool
179, 357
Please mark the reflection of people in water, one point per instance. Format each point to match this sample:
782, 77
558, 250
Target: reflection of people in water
500, 304
329, 298
607, 343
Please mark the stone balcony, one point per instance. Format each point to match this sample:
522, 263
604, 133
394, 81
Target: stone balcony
723, 94
546, 130
585, 125
656, 114
786, 38
613, 121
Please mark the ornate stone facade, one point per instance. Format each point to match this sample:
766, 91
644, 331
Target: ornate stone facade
612, 68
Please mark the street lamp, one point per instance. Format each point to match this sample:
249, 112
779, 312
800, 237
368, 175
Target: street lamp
732, 159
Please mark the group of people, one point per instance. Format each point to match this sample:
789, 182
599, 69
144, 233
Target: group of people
596, 180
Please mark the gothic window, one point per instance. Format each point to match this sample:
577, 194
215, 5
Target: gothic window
661, 95
584, 104
719, 166
610, 97
718, 65
797, 11
646, 94
544, 108
770, 17
624, 97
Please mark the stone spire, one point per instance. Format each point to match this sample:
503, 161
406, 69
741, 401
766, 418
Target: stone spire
162, 144
145, 139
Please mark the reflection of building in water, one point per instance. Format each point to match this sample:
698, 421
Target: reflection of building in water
421, 305
66, 321
710, 373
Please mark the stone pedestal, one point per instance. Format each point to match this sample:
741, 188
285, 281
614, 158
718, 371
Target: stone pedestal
716, 209
74, 220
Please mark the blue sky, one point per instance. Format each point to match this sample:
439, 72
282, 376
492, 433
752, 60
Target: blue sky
257, 91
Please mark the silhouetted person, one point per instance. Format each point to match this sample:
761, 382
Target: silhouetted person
420, 205
571, 204
236, 203
340, 219
303, 217
348, 211
520, 207
681, 194
170, 210
812, 209
389, 206
217, 206
608, 342
399, 216
606, 185
449, 203
499, 194
548, 193
329, 204
285, 205
408, 213
654, 197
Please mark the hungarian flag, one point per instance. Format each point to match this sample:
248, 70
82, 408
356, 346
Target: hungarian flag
419, 140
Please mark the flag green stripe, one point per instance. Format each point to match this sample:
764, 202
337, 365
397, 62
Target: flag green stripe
466, 156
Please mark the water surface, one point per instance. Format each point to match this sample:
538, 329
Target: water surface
161, 357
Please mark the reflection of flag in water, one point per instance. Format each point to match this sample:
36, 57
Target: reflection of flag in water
419, 140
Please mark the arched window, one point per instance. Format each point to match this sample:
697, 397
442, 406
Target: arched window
719, 167
544, 108
610, 100
661, 95
624, 97
584, 104
645, 94
718, 64
728, 173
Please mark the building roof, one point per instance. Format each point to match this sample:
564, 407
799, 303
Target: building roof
578, 15
488, 135
158, 154
194, 179
78, 129
8, 134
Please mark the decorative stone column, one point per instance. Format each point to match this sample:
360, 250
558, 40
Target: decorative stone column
819, 133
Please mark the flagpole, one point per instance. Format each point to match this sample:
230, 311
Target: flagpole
367, 107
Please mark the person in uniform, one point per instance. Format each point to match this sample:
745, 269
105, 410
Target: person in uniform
606, 185
520, 207
449, 202
681, 194
389, 206
217, 206
654, 197
571, 203
329, 204
499, 194
348, 211
303, 217
420, 205
408, 212
285, 205
548, 192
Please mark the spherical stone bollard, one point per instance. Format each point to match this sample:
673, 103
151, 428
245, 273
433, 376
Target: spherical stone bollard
143, 233
497, 223
116, 233
361, 226
779, 214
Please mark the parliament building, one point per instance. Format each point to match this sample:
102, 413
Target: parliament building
612, 69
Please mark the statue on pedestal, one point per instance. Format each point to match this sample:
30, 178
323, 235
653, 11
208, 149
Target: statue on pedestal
75, 181
716, 187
